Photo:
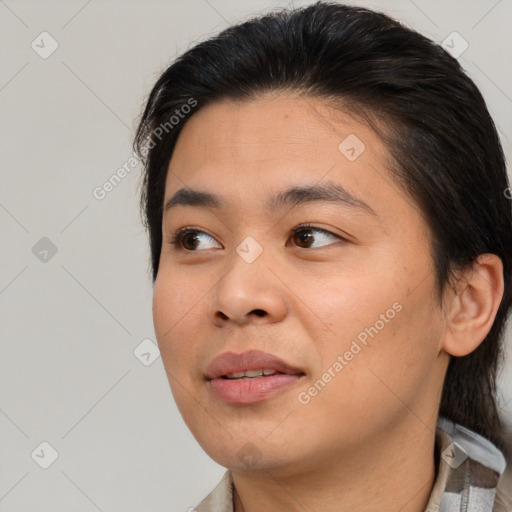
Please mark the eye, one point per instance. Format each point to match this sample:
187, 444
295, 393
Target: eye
304, 236
190, 239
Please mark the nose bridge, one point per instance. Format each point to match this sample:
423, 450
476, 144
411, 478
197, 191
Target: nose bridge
248, 288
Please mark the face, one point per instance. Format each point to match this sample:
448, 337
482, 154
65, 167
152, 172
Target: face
310, 263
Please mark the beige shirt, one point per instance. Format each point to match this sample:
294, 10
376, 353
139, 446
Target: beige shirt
467, 477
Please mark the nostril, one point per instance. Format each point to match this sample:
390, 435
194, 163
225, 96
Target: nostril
257, 312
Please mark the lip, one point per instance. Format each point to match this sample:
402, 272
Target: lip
248, 391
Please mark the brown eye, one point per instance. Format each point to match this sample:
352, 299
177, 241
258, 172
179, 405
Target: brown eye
189, 239
305, 236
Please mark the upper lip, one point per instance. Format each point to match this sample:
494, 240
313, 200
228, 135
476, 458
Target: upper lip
231, 362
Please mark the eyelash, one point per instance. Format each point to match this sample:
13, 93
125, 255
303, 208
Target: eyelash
177, 237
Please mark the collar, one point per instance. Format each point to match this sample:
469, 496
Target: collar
468, 471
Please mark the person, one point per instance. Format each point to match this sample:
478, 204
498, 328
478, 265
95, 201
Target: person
331, 251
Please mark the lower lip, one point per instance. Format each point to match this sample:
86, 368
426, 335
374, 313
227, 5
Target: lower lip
249, 391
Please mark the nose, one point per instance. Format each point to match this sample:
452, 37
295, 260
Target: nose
248, 292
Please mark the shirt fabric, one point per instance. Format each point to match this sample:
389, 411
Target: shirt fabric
466, 480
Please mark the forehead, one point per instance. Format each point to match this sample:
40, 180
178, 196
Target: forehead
271, 127
253, 149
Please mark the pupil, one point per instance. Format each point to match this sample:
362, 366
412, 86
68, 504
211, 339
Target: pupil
187, 238
306, 237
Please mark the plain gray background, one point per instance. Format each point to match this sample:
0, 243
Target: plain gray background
72, 319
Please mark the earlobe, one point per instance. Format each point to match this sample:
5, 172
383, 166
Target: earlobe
473, 305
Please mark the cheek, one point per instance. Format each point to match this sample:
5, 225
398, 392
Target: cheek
399, 362
178, 313
379, 325
382, 378
349, 305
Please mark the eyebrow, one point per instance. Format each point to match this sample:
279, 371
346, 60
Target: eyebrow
292, 197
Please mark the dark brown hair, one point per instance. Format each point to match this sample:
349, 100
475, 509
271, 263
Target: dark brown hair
446, 151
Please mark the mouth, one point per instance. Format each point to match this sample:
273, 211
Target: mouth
249, 377
250, 374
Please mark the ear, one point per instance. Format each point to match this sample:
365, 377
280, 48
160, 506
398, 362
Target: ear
472, 305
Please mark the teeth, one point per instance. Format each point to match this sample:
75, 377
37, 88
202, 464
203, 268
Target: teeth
254, 373
251, 374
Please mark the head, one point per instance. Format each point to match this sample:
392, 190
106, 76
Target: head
406, 275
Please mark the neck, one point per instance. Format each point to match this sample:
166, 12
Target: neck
395, 472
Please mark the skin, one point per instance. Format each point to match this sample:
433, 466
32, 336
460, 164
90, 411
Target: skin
366, 441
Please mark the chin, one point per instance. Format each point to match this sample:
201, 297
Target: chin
246, 453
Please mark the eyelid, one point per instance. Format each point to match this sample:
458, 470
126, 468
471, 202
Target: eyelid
314, 227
